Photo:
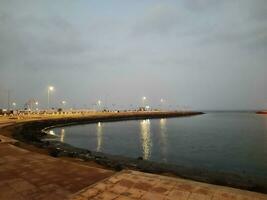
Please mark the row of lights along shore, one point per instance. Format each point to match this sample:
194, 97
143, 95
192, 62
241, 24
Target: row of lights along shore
51, 89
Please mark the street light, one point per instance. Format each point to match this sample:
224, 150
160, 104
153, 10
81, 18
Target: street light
63, 104
14, 105
99, 104
50, 89
144, 99
161, 103
36, 105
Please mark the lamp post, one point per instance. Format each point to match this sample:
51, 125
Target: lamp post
50, 89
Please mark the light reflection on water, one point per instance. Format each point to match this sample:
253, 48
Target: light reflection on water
52, 132
163, 138
62, 135
146, 138
99, 135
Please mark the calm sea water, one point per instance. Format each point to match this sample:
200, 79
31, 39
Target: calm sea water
233, 142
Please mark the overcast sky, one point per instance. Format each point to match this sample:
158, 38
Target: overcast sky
204, 54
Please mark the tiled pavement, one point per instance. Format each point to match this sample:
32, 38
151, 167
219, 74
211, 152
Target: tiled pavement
132, 185
26, 175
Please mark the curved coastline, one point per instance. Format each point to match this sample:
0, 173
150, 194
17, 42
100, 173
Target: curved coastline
35, 132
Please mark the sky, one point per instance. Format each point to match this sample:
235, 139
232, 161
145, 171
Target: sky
195, 54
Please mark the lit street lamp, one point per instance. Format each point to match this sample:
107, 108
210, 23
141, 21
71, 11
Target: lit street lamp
50, 89
161, 103
14, 105
63, 103
99, 104
144, 99
36, 105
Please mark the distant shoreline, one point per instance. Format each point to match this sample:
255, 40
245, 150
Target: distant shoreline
262, 112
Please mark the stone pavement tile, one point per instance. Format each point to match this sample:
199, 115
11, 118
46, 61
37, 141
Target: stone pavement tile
20, 185
177, 195
78, 197
6, 175
135, 193
160, 189
163, 186
145, 186
124, 198
137, 185
126, 183
114, 179
152, 196
7, 193
49, 196
118, 189
106, 196
189, 187
204, 190
90, 193
102, 186
224, 195
196, 196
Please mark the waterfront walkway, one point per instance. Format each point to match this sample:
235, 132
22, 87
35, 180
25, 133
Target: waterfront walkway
26, 175
133, 185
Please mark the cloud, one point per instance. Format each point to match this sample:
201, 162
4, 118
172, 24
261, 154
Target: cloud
159, 19
28, 39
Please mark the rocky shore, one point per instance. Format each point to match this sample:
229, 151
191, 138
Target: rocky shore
34, 133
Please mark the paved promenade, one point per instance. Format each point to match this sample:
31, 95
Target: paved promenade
26, 175
132, 185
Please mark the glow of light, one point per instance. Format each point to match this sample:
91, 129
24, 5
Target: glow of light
51, 88
36, 103
99, 134
146, 138
161, 100
14, 104
144, 98
99, 102
162, 122
163, 138
63, 102
51, 132
62, 135
147, 107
